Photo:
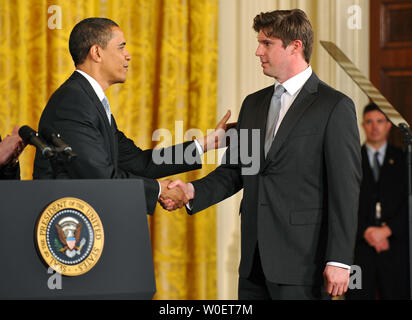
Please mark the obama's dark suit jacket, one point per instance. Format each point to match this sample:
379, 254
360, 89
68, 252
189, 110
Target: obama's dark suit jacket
301, 207
104, 152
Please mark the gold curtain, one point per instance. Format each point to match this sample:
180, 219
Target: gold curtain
172, 77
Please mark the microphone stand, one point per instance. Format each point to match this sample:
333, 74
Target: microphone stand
405, 129
60, 159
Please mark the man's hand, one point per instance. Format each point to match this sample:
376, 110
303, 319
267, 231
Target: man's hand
171, 199
216, 139
382, 246
187, 188
11, 147
374, 235
336, 280
176, 186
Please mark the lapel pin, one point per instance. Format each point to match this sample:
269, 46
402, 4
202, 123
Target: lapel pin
391, 161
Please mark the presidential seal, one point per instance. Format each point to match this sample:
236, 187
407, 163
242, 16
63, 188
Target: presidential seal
69, 236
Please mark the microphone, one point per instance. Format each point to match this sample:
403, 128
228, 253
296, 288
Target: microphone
30, 136
56, 140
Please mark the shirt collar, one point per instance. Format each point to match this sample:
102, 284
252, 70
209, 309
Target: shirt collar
381, 150
296, 83
95, 85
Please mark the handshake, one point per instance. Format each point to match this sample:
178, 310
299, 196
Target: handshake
175, 194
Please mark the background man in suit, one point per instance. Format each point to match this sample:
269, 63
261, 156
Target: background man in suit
382, 241
80, 112
299, 210
10, 149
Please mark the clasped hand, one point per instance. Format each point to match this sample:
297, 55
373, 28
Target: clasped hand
377, 237
11, 147
175, 194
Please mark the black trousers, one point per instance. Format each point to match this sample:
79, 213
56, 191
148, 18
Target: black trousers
256, 287
385, 275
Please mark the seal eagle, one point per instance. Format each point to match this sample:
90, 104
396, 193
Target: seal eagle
69, 230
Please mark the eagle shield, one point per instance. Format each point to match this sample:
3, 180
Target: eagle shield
69, 230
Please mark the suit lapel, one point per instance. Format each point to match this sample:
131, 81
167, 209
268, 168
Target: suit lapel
92, 94
85, 85
384, 170
261, 119
113, 128
302, 102
387, 163
367, 172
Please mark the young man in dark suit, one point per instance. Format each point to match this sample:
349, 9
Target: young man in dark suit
299, 211
80, 112
382, 250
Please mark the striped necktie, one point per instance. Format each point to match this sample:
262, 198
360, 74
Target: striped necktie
106, 106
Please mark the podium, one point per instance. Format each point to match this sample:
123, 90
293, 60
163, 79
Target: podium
124, 269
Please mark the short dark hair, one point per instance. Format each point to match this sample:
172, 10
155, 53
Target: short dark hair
87, 33
373, 107
288, 26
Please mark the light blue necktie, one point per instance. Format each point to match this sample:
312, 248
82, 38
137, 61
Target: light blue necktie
106, 106
273, 117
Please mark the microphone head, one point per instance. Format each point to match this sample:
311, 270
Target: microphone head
25, 132
47, 134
